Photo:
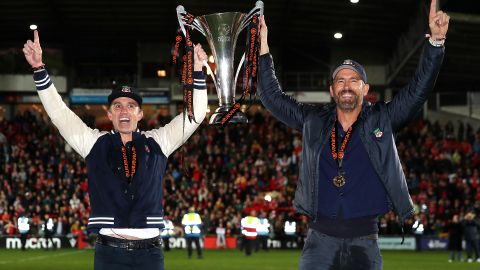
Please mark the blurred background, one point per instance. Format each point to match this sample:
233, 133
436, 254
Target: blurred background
91, 46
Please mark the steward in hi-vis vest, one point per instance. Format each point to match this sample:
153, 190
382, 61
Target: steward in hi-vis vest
263, 232
167, 232
192, 227
249, 231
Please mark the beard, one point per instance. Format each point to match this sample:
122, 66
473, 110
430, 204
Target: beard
347, 105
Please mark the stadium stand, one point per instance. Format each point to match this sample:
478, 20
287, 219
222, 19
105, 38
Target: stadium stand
228, 172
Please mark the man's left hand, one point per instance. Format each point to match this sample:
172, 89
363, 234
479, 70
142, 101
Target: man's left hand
438, 22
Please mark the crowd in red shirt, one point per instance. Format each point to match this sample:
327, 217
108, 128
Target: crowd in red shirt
227, 172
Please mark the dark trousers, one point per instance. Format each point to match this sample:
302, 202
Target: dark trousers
326, 252
472, 245
166, 243
262, 242
49, 238
248, 245
111, 258
23, 240
195, 240
459, 255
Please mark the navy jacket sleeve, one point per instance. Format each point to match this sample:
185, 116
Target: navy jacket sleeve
410, 99
282, 106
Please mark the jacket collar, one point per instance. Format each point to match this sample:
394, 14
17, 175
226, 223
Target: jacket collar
118, 140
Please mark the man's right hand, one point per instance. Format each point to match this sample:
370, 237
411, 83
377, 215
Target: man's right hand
199, 57
33, 51
263, 36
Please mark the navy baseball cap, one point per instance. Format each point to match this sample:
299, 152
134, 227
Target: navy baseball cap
124, 91
353, 65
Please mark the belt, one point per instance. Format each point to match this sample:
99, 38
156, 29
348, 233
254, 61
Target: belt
346, 228
129, 244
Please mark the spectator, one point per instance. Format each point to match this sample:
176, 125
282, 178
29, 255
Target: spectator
471, 236
455, 236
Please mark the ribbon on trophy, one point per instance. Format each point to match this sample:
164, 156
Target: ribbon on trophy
187, 67
249, 68
183, 36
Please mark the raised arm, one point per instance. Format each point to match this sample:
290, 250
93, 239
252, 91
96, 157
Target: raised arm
410, 99
282, 106
78, 135
174, 134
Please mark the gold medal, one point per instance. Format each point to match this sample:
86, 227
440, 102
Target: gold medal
339, 181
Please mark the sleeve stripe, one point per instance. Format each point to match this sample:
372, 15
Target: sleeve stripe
199, 83
42, 80
44, 83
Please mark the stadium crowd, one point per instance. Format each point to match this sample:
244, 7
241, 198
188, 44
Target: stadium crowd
227, 172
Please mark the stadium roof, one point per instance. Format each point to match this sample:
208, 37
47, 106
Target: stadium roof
383, 32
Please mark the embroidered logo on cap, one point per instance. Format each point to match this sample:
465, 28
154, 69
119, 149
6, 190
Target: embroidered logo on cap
126, 89
348, 62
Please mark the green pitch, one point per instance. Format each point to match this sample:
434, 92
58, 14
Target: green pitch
231, 260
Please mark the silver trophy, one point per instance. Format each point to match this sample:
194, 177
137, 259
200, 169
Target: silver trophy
221, 31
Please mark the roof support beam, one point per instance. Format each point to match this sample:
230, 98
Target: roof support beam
408, 44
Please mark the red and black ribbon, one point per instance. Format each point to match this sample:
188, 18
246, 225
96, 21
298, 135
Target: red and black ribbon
187, 67
249, 68
338, 156
186, 75
126, 164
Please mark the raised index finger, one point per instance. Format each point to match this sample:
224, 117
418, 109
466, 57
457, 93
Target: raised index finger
433, 8
36, 39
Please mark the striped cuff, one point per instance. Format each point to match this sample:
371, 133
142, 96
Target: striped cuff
199, 82
42, 80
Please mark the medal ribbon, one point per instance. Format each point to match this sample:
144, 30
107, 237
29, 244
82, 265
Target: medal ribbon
341, 152
126, 165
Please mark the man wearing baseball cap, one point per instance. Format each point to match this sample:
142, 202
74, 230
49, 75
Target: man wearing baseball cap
351, 172
125, 166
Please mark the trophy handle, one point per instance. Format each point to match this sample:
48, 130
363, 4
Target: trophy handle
195, 24
239, 67
258, 9
211, 74
180, 13
198, 27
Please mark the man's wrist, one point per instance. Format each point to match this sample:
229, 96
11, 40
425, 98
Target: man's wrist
38, 67
199, 80
264, 49
436, 41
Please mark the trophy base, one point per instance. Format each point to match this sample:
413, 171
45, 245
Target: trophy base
238, 117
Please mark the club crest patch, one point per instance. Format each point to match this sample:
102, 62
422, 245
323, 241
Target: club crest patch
378, 133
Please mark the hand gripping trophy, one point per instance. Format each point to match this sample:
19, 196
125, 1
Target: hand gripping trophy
221, 31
